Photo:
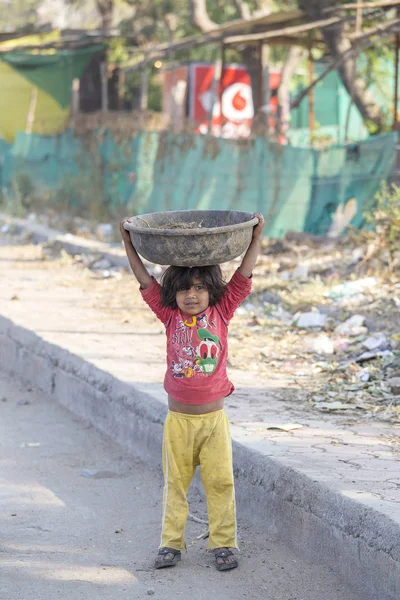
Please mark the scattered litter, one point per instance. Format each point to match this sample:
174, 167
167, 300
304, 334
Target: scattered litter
300, 273
356, 255
309, 319
280, 314
203, 536
151, 592
375, 341
30, 445
269, 298
352, 326
192, 517
332, 406
373, 354
15, 297
322, 345
23, 402
99, 474
364, 375
285, 427
105, 232
351, 288
394, 385
341, 345
101, 264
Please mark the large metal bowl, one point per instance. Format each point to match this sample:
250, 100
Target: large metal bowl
217, 236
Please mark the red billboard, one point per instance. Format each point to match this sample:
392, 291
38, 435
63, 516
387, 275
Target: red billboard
233, 109
232, 103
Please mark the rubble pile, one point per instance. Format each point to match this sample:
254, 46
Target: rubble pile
330, 320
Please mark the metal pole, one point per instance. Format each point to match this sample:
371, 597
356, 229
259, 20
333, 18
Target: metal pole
144, 93
221, 83
265, 88
396, 81
75, 101
260, 99
121, 89
214, 93
311, 104
104, 87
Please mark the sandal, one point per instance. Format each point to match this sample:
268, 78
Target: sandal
160, 563
227, 564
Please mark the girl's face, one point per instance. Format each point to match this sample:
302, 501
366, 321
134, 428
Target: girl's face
194, 300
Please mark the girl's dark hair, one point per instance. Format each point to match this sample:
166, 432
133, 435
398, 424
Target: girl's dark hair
178, 278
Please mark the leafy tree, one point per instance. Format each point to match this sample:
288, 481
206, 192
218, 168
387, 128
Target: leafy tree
18, 15
155, 21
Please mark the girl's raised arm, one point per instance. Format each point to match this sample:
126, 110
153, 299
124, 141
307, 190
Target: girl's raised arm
138, 268
250, 258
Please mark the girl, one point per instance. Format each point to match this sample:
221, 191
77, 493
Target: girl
196, 306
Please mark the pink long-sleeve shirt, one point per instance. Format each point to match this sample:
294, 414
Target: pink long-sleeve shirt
197, 346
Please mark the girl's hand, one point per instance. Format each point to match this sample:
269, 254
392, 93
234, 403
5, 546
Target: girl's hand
257, 231
124, 233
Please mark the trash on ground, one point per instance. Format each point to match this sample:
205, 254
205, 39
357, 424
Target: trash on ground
285, 427
30, 445
350, 288
309, 319
352, 326
99, 474
332, 406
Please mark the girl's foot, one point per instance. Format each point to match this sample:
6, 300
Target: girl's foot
167, 557
225, 559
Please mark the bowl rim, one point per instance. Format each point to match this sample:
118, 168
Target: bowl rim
191, 232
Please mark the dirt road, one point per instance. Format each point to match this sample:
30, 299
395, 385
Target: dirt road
70, 536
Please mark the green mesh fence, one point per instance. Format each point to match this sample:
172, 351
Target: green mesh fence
298, 189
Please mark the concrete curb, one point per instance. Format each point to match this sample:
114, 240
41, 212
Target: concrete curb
71, 243
360, 544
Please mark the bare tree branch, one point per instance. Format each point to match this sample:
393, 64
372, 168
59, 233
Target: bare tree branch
243, 9
200, 17
343, 56
366, 102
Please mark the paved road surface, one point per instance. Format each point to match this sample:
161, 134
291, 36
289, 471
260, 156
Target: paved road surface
67, 536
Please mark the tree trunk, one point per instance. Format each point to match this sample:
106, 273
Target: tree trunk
295, 56
251, 58
337, 44
106, 9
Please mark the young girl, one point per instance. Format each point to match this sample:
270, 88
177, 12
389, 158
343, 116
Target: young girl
196, 307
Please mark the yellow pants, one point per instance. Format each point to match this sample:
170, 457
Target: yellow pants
189, 441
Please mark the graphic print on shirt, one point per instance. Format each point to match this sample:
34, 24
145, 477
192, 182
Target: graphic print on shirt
192, 360
183, 368
201, 321
207, 351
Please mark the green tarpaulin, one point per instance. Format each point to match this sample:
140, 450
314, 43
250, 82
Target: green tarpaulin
297, 189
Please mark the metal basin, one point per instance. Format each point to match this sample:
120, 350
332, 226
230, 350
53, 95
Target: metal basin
190, 238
